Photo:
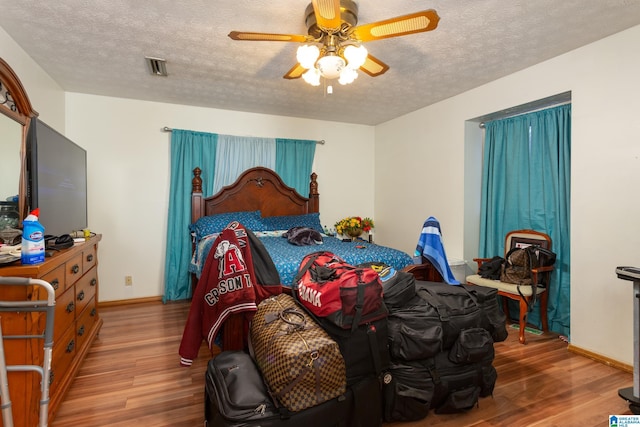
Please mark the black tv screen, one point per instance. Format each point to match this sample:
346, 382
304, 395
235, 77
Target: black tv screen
57, 169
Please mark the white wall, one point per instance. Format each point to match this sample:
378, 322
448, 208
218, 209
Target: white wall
46, 96
422, 156
128, 175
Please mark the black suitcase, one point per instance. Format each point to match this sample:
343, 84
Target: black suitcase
235, 396
365, 350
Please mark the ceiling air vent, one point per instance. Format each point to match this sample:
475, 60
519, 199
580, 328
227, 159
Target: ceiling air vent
157, 66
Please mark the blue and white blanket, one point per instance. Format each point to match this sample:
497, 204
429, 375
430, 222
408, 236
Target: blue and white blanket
431, 247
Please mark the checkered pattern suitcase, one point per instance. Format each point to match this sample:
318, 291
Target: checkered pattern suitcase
302, 365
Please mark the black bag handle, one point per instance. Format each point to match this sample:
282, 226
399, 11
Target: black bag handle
286, 314
435, 302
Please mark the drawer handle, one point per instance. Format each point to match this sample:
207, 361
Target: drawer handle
51, 376
93, 282
81, 296
75, 269
93, 312
55, 283
90, 257
70, 307
70, 346
81, 331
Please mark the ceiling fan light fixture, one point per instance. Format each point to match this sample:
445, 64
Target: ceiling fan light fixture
355, 55
330, 66
307, 55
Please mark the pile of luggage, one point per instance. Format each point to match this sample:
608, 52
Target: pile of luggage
356, 346
441, 346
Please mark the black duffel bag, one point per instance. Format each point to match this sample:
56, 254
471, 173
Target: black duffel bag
462, 307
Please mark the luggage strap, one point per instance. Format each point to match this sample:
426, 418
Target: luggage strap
359, 302
312, 259
434, 301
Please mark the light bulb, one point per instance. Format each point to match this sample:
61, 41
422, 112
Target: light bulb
312, 76
356, 56
348, 75
307, 55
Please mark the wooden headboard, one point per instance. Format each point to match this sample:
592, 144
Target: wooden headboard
257, 188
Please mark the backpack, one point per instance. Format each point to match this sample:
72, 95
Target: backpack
517, 266
519, 262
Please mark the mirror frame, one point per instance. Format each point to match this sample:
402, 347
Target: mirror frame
22, 112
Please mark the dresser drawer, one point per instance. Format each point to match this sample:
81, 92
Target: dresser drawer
85, 322
89, 259
56, 278
65, 314
73, 269
64, 350
86, 289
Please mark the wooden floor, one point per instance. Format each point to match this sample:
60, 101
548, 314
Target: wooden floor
132, 377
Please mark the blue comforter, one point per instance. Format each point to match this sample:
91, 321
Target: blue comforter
287, 257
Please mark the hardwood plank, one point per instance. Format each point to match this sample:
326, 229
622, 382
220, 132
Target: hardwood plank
132, 377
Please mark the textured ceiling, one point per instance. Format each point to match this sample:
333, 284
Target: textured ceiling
98, 47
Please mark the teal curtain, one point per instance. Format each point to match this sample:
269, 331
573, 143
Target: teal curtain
526, 185
294, 162
188, 150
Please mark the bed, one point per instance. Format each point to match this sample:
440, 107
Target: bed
261, 201
260, 196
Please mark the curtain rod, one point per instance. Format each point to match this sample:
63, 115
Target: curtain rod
168, 129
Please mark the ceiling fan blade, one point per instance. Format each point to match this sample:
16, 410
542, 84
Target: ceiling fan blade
327, 14
418, 22
373, 66
295, 73
240, 35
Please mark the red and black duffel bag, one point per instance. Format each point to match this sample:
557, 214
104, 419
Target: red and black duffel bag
347, 302
346, 295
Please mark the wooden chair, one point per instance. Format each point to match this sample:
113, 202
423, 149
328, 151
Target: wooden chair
541, 275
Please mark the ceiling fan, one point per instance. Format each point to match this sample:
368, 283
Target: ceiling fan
333, 48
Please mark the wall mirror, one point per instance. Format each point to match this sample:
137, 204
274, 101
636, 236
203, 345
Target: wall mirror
14, 123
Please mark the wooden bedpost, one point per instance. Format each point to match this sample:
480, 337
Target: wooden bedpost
314, 196
196, 195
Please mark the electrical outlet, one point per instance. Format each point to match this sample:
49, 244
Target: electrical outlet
128, 281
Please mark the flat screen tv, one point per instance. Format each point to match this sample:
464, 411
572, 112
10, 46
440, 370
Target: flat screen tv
57, 180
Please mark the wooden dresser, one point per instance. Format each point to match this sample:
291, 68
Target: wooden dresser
73, 273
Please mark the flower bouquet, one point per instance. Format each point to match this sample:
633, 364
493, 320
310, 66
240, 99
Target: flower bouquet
353, 226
